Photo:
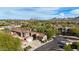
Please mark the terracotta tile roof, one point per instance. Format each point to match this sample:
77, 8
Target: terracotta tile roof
38, 34
27, 30
20, 30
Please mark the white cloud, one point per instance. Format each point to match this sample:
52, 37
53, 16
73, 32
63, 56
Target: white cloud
61, 15
49, 8
75, 11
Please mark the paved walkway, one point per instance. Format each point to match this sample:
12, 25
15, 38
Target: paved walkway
50, 45
35, 44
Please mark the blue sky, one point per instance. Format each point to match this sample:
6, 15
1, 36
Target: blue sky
38, 12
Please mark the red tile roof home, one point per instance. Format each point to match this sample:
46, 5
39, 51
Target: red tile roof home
38, 34
21, 30
29, 31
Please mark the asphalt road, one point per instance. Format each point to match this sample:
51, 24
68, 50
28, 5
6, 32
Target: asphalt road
50, 46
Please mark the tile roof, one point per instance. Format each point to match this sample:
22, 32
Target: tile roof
20, 30
27, 30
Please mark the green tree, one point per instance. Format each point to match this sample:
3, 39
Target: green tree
51, 32
40, 29
9, 43
78, 45
68, 48
75, 31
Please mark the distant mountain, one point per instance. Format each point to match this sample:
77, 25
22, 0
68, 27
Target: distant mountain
76, 18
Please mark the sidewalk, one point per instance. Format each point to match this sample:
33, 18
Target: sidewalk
38, 45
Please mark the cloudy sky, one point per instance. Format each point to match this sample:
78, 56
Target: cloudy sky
38, 12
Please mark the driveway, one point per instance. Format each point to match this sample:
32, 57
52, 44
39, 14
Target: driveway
52, 45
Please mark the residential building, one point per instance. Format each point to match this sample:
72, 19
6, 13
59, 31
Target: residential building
26, 35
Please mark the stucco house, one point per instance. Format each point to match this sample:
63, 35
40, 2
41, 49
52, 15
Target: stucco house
28, 35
